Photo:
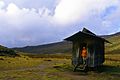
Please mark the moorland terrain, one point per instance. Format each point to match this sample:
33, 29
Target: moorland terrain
53, 62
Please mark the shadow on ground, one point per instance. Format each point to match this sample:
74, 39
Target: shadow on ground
112, 70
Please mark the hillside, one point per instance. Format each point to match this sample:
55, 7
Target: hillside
111, 35
115, 46
59, 47
65, 47
4, 51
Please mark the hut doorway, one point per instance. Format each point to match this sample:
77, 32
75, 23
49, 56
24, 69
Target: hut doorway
82, 45
79, 61
80, 52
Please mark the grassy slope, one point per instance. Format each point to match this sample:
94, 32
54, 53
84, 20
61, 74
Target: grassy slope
115, 46
59, 47
4, 51
26, 68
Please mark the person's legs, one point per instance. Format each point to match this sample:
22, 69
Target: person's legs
84, 60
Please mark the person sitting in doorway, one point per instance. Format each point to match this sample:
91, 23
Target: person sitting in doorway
84, 55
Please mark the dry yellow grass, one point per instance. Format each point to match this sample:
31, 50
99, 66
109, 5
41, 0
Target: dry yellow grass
25, 68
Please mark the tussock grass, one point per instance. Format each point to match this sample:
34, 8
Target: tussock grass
9, 63
59, 68
59, 55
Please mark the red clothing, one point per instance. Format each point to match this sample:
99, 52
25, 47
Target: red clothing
84, 53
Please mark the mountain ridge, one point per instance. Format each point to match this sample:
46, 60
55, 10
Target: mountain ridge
108, 36
66, 47
58, 47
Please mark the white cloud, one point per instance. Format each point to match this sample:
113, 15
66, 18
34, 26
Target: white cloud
16, 16
68, 11
12, 9
29, 25
50, 4
22, 25
1, 4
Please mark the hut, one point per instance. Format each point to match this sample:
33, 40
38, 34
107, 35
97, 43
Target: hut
94, 46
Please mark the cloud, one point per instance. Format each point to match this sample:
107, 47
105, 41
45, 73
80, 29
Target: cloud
28, 26
68, 11
1, 4
27, 23
24, 26
50, 4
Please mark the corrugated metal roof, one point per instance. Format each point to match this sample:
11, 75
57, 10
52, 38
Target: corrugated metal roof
84, 33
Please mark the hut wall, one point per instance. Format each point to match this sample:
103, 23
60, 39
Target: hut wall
91, 53
99, 53
75, 53
95, 50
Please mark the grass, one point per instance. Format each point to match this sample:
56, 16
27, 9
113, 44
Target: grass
17, 62
113, 48
60, 55
49, 68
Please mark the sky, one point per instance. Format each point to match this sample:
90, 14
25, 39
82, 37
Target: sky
36, 22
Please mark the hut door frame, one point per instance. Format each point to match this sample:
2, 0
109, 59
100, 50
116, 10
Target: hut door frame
91, 51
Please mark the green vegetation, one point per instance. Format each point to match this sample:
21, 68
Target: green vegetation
4, 51
66, 47
113, 48
59, 47
60, 55
49, 68
28, 66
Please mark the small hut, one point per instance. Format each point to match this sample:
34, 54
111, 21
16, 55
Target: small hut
94, 46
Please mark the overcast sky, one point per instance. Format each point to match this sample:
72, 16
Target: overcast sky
34, 22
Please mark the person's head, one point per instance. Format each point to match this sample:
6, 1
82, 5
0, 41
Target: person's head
84, 48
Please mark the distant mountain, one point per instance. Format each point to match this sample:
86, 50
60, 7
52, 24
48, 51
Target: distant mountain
66, 47
58, 47
111, 35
